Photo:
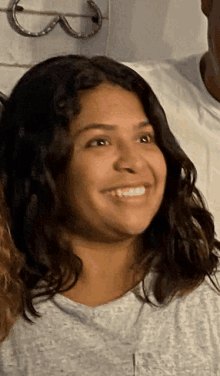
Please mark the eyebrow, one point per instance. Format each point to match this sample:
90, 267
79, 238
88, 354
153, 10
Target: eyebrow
108, 127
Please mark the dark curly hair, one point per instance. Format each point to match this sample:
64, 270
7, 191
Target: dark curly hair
179, 245
11, 286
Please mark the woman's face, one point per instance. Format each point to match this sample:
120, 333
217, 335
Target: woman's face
116, 156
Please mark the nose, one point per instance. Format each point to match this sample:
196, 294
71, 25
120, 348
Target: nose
129, 158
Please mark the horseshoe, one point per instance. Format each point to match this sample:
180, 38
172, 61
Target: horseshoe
58, 19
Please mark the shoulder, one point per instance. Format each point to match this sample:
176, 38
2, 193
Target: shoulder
184, 337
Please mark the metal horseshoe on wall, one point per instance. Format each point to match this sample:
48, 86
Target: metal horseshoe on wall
11, 12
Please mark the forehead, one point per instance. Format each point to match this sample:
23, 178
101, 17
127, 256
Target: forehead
112, 106
109, 99
106, 89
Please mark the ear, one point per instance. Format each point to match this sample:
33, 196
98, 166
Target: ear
207, 6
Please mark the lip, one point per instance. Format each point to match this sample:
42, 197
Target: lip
128, 185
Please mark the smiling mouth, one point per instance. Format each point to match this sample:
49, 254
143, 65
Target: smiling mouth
127, 192
131, 195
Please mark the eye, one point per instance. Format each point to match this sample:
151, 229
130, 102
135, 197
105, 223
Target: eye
148, 135
89, 144
103, 140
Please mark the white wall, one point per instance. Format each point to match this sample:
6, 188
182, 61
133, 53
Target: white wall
19, 53
156, 29
136, 30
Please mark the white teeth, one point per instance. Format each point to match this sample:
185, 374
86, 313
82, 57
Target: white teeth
125, 192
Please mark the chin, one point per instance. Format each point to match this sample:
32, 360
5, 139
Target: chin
135, 230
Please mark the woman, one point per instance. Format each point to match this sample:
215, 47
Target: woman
96, 213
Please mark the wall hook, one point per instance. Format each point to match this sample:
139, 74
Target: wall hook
11, 13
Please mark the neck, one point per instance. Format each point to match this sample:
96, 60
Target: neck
107, 273
210, 76
106, 263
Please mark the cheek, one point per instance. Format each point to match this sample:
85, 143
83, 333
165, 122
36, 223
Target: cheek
162, 172
164, 167
159, 164
87, 178
95, 170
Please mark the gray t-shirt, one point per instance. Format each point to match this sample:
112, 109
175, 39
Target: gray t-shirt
123, 337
